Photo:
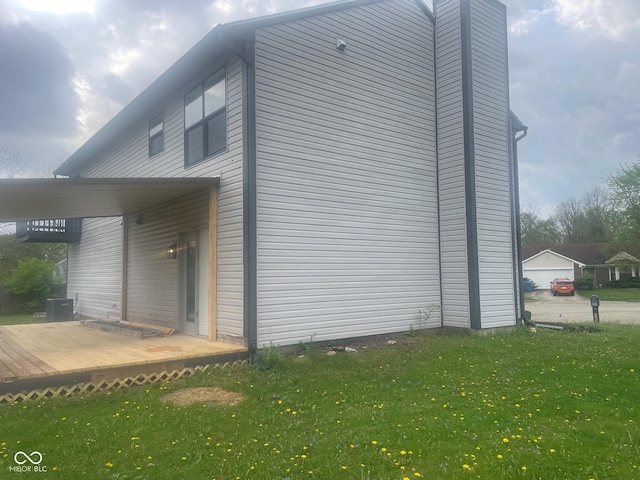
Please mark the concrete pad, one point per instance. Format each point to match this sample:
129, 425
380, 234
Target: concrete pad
578, 309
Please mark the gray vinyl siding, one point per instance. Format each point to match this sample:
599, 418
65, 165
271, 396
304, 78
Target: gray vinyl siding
94, 275
157, 301
130, 158
491, 147
346, 174
453, 230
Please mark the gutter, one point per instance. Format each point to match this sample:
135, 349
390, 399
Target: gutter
524, 129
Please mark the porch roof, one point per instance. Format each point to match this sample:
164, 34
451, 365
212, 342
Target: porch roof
51, 198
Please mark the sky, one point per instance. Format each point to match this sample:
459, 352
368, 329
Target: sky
68, 66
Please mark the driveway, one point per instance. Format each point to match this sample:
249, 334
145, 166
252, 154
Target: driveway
578, 309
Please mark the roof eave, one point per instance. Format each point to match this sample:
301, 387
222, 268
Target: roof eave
205, 52
195, 60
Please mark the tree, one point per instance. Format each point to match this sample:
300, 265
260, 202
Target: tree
570, 217
585, 220
535, 230
624, 188
32, 283
11, 164
12, 251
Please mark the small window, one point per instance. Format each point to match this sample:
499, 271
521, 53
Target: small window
156, 134
205, 119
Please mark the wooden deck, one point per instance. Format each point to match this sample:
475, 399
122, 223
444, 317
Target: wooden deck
54, 354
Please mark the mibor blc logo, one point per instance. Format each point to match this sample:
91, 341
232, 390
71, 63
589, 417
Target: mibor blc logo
28, 462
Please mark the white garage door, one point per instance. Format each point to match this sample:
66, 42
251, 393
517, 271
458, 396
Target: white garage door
542, 277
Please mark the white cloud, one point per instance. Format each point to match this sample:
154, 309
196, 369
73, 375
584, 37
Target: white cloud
59, 7
616, 20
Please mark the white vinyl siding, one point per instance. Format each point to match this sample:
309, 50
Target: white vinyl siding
152, 278
546, 266
130, 158
346, 174
491, 148
548, 260
453, 214
94, 276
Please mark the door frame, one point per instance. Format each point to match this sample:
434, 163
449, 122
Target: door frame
211, 334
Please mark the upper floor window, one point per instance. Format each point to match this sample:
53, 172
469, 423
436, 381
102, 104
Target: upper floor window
156, 134
205, 119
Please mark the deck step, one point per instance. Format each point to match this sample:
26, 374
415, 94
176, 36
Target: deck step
121, 328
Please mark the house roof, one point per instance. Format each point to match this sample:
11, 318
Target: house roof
585, 253
41, 198
553, 253
218, 42
623, 257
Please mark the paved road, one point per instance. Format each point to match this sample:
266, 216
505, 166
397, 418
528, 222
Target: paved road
578, 309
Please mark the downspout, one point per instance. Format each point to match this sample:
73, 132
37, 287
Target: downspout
516, 186
246, 53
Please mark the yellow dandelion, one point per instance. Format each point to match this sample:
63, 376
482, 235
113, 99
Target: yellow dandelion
466, 467
505, 440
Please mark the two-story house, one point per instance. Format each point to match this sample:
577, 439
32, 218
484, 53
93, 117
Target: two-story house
319, 174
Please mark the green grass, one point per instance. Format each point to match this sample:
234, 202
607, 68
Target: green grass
20, 319
552, 405
529, 298
613, 294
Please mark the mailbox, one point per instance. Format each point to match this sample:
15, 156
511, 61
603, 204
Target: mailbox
595, 303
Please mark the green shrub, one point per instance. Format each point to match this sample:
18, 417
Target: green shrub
32, 282
586, 282
629, 282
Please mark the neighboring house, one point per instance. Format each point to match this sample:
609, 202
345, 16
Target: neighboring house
320, 174
543, 263
546, 265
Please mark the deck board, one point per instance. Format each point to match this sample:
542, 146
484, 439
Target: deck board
18, 362
41, 350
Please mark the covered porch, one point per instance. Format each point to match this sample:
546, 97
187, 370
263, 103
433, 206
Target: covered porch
36, 356
122, 271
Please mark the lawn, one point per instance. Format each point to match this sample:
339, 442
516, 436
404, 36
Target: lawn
19, 319
546, 404
614, 294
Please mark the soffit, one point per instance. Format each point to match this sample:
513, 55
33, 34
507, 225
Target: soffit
53, 198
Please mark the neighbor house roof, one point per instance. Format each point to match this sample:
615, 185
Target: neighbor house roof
214, 45
553, 253
623, 257
585, 253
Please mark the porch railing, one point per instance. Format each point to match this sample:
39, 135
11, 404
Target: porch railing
61, 230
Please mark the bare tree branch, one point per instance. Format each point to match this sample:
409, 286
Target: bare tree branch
11, 163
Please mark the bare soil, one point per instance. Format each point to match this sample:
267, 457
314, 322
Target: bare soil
213, 396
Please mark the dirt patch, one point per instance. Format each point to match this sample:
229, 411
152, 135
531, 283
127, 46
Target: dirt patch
209, 395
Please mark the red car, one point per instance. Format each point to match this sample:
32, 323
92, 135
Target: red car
562, 286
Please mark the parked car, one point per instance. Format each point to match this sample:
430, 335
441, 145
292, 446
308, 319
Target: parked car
562, 286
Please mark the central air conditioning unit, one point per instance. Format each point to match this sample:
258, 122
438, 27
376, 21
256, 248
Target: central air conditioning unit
59, 309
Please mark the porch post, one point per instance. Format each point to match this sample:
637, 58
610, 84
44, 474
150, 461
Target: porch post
125, 263
213, 263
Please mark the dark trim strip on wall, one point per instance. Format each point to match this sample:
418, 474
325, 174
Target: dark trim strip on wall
249, 216
435, 112
475, 314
